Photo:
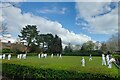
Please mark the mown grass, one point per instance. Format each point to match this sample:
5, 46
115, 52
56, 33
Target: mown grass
70, 63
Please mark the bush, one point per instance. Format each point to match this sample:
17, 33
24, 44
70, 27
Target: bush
32, 54
6, 50
83, 53
117, 57
14, 71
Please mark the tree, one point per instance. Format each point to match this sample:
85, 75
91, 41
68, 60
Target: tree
56, 46
68, 48
18, 48
45, 41
112, 43
88, 46
77, 47
103, 47
3, 29
29, 34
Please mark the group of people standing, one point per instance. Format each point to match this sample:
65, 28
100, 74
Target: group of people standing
20, 56
107, 60
83, 60
45, 55
3, 56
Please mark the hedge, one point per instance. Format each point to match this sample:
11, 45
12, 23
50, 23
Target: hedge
6, 50
83, 53
117, 57
19, 72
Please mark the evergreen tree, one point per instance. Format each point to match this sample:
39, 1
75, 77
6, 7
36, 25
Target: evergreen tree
29, 34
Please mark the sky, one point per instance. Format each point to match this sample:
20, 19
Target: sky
74, 22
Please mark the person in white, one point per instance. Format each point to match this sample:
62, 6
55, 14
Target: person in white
57, 55
0, 56
9, 56
60, 56
42, 55
90, 59
110, 62
103, 60
24, 56
45, 55
51, 55
18, 56
107, 58
83, 61
38, 55
3, 56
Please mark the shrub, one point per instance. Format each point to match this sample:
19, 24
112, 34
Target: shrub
6, 50
117, 57
14, 71
83, 53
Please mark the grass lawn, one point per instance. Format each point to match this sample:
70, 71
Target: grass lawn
72, 63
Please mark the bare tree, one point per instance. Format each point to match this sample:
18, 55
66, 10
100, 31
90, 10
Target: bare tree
112, 43
3, 24
3, 29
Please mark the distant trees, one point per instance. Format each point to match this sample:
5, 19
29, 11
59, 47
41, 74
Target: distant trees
18, 48
40, 42
3, 29
56, 45
103, 47
88, 46
68, 48
112, 43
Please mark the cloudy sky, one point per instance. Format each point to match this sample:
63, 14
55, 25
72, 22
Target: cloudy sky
74, 22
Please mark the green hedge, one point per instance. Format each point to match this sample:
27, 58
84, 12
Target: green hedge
117, 56
6, 50
17, 72
83, 53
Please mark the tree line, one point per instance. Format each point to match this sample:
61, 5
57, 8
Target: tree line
36, 42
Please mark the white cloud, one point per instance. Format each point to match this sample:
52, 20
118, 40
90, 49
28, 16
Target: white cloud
7, 38
104, 24
53, 10
16, 21
13, 0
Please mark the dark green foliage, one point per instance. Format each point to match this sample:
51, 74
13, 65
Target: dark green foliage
83, 53
104, 47
14, 71
29, 34
68, 49
88, 46
6, 50
40, 42
117, 57
56, 46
